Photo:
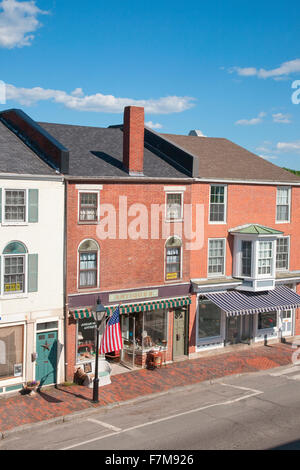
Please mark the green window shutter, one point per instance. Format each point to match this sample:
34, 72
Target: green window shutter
32, 273
33, 205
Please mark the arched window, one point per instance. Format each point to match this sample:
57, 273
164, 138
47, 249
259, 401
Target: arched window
14, 268
88, 264
173, 258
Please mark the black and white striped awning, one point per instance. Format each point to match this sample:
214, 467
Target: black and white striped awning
245, 303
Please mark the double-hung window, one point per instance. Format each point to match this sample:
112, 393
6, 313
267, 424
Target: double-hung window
217, 207
14, 274
173, 259
216, 257
88, 264
283, 202
174, 206
88, 207
15, 206
246, 258
282, 253
265, 258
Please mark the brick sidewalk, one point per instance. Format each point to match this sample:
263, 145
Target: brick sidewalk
54, 402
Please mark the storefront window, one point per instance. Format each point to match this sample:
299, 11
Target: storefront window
86, 345
155, 329
209, 324
11, 351
267, 320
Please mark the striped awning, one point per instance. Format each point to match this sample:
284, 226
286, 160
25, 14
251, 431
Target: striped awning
245, 303
134, 308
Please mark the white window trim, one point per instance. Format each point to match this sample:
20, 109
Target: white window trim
88, 222
85, 289
14, 295
166, 206
272, 274
289, 245
216, 222
219, 339
216, 275
165, 260
7, 223
16, 380
289, 202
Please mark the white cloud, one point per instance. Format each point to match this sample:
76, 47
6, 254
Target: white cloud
153, 125
269, 157
18, 20
289, 146
285, 69
281, 118
251, 122
78, 101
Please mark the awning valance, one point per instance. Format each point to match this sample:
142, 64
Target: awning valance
132, 308
245, 303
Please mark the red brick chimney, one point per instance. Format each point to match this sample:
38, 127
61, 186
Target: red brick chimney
133, 140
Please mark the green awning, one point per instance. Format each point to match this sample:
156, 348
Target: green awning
135, 308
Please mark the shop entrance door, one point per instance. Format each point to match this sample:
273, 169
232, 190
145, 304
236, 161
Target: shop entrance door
287, 323
233, 326
46, 364
179, 335
128, 337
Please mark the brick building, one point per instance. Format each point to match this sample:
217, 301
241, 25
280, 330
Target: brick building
195, 238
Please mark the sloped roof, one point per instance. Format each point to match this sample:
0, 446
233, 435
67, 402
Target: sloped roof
220, 158
17, 158
256, 229
97, 151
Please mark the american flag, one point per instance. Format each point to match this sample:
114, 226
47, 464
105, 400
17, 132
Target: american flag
112, 338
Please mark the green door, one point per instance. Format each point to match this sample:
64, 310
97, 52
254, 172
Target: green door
46, 362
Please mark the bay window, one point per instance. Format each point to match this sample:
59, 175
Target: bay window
265, 257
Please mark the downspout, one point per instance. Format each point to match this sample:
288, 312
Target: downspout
65, 280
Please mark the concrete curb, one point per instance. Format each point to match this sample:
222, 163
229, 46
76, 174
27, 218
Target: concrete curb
77, 415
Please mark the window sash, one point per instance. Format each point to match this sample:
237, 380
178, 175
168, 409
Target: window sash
265, 258
88, 210
15, 206
283, 204
88, 269
14, 274
174, 206
173, 262
282, 253
246, 258
217, 204
216, 257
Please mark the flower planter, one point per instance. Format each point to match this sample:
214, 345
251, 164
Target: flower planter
31, 387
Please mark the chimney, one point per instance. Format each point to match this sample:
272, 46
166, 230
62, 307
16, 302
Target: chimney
133, 140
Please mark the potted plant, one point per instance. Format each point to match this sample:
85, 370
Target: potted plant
31, 386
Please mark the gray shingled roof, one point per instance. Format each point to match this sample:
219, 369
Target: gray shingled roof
96, 151
222, 159
17, 158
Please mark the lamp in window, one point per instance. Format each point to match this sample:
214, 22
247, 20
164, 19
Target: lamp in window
99, 315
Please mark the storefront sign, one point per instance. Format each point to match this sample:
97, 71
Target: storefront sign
142, 294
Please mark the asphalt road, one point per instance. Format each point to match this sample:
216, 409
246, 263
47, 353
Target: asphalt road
251, 411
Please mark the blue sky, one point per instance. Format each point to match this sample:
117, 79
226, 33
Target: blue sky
223, 67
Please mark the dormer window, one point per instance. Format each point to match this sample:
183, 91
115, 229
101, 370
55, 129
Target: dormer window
255, 256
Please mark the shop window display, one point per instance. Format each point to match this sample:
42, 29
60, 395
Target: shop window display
209, 324
11, 351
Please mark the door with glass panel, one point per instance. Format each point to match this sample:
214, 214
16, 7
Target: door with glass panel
179, 332
287, 323
128, 338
